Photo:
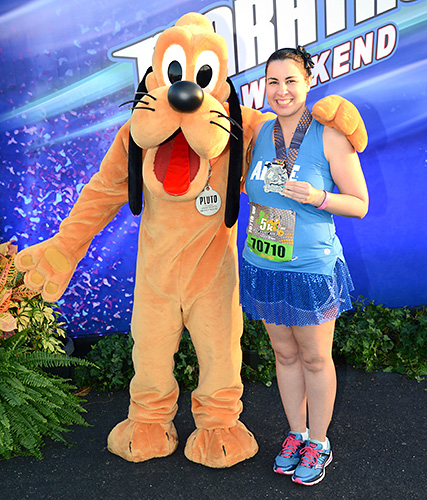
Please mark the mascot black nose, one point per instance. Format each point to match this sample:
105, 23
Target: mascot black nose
185, 96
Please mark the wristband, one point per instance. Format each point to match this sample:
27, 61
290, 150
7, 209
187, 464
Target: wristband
325, 201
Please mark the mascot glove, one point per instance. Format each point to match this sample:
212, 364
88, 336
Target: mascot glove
48, 267
336, 112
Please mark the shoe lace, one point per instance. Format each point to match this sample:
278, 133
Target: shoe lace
309, 456
290, 446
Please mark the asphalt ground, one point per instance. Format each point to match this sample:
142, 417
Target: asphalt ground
378, 437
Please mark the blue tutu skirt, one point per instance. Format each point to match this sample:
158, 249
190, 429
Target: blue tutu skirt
290, 298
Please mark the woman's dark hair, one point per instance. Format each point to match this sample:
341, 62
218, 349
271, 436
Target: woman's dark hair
299, 55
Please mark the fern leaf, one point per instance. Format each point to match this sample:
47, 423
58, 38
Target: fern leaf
26, 434
10, 395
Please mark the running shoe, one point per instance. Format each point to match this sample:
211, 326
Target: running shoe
314, 459
288, 459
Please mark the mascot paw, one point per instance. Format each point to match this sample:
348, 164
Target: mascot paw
47, 267
335, 111
140, 441
221, 447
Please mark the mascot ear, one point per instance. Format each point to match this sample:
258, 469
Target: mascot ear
236, 157
135, 160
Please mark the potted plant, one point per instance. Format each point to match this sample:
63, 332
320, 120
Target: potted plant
34, 403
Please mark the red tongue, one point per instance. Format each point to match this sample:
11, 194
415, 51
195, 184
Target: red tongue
176, 165
177, 179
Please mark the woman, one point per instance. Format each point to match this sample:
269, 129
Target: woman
293, 274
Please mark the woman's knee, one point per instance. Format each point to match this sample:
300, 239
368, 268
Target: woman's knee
316, 362
287, 357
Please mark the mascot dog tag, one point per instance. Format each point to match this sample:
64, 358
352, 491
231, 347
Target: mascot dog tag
208, 202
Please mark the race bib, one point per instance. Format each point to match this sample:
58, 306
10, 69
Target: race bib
271, 232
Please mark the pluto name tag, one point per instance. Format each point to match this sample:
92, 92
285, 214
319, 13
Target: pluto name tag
208, 202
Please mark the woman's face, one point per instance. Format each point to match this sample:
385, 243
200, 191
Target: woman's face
286, 87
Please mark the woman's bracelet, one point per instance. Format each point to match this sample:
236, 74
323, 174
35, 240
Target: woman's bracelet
325, 201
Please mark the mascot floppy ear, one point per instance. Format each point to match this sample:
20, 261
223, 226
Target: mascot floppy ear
135, 159
235, 162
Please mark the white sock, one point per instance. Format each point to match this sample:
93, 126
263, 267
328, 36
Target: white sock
325, 444
305, 435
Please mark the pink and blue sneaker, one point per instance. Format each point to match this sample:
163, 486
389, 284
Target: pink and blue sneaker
287, 460
314, 459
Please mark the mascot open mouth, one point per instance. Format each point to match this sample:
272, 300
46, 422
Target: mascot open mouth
176, 164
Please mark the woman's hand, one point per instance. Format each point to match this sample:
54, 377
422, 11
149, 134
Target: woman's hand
303, 192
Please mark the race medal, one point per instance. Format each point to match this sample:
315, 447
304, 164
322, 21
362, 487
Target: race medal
275, 176
271, 232
208, 202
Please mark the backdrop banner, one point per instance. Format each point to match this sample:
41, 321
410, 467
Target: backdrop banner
66, 66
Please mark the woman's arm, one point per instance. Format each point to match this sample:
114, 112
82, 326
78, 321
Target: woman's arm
352, 199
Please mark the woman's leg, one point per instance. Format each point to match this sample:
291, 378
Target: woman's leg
315, 348
290, 375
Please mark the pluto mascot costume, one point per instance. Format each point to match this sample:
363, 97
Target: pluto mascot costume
183, 149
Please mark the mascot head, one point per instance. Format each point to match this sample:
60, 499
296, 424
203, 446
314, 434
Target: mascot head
179, 119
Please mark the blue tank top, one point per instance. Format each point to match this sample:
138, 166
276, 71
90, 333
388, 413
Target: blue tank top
316, 245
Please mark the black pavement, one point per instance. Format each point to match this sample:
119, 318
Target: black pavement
378, 436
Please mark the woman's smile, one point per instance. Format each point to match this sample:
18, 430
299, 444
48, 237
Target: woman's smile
284, 101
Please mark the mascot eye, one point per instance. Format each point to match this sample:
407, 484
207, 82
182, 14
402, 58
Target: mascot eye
174, 72
173, 64
206, 71
204, 76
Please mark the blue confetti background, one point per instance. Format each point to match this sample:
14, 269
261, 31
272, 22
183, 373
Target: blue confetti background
59, 113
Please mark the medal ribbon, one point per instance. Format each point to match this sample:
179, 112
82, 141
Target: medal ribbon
297, 138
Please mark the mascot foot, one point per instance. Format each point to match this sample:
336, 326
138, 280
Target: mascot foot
221, 447
140, 441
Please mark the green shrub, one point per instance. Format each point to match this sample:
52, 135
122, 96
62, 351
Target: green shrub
259, 363
112, 367
373, 337
186, 365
